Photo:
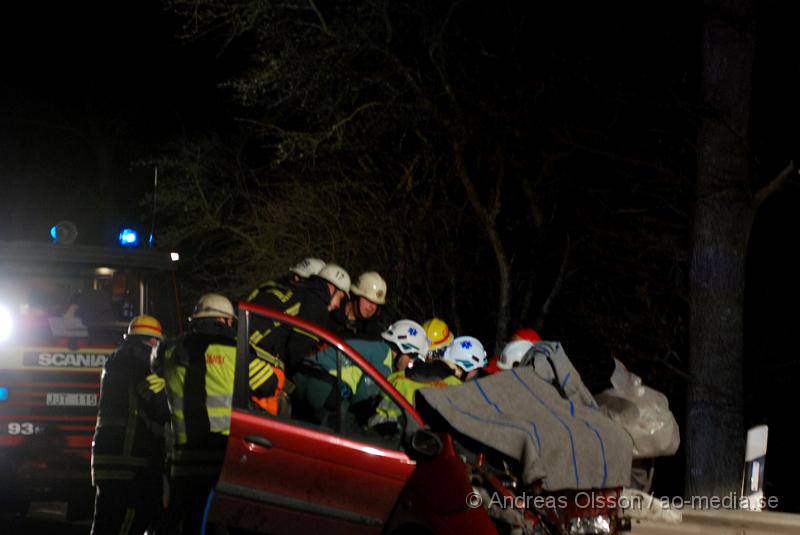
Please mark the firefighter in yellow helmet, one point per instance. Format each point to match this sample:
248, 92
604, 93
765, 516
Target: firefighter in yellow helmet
128, 445
440, 336
199, 372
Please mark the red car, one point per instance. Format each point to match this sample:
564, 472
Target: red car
296, 475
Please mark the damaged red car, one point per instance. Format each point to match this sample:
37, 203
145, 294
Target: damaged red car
294, 474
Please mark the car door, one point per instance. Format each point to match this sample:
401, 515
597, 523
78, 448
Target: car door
323, 472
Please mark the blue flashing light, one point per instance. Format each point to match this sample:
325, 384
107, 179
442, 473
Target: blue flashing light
128, 238
3, 393
54, 232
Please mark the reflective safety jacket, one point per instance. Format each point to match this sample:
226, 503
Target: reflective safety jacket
199, 371
407, 382
129, 434
377, 352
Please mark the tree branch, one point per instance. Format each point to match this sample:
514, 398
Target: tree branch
774, 185
322, 22
554, 290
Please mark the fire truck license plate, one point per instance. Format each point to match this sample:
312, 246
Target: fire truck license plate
71, 399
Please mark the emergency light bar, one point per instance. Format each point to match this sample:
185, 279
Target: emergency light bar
128, 238
64, 232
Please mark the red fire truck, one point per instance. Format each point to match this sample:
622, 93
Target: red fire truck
63, 309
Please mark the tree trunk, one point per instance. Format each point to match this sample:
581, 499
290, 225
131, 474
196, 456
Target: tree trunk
488, 219
722, 220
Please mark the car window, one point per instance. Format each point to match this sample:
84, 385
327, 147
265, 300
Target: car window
342, 398
326, 389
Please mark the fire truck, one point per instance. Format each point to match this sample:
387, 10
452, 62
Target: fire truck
64, 307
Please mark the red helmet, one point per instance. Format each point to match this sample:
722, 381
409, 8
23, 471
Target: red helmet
492, 366
526, 333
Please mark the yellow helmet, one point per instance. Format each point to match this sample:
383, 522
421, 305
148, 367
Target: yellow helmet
438, 332
146, 326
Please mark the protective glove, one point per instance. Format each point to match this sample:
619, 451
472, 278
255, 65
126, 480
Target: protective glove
155, 383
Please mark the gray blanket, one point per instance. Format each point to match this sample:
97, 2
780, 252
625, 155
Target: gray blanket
567, 446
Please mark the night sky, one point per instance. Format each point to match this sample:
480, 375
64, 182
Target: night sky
87, 89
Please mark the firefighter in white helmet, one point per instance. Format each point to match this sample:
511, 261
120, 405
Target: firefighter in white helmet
296, 278
199, 371
360, 316
306, 267
128, 445
283, 345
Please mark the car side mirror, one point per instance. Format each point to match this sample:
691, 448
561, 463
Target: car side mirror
425, 444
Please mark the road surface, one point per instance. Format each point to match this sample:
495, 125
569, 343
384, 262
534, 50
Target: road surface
723, 522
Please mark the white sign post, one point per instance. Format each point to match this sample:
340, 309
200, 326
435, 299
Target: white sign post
754, 460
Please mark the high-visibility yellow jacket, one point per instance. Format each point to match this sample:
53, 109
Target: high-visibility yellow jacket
389, 411
199, 371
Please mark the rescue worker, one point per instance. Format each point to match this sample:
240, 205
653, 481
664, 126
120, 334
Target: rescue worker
440, 336
466, 357
513, 351
409, 345
199, 372
377, 352
283, 346
296, 277
360, 315
408, 341
279, 294
128, 446
315, 397
305, 268
512, 354
460, 362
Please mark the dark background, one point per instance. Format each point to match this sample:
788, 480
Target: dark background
85, 92
89, 90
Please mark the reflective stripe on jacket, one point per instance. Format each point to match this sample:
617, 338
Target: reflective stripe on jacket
199, 372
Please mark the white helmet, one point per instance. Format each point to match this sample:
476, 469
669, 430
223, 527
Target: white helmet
337, 276
309, 266
467, 353
512, 354
372, 286
213, 306
409, 336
